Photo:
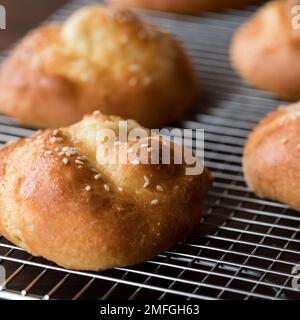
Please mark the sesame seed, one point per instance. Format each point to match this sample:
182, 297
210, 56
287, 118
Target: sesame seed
135, 161
55, 132
97, 176
59, 139
134, 68
146, 179
47, 153
120, 189
159, 188
283, 141
154, 202
79, 167
52, 140
132, 82
82, 158
65, 160
79, 162
56, 149
106, 187
61, 153
88, 188
146, 184
96, 113
147, 81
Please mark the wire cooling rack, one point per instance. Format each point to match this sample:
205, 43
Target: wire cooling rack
245, 247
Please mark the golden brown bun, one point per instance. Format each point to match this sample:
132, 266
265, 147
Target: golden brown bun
271, 157
100, 58
69, 214
184, 6
266, 50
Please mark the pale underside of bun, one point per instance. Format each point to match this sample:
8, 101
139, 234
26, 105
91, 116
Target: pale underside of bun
100, 58
86, 214
184, 6
271, 157
265, 51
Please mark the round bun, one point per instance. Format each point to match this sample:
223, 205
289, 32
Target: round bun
184, 6
266, 50
100, 58
62, 198
272, 157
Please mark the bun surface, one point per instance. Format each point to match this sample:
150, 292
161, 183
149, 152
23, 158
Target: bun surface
184, 6
63, 199
100, 58
265, 51
272, 157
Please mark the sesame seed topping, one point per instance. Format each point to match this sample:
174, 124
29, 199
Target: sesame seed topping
82, 158
154, 202
52, 140
147, 81
134, 68
47, 153
132, 82
55, 132
146, 179
146, 184
135, 162
65, 160
88, 188
56, 149
120, 189
97, 176
283, 141
79, 162
106, 187
79, 167
159, 188
96, 113
59, 139
61, 153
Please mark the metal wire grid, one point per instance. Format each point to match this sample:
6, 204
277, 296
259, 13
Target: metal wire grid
245, 248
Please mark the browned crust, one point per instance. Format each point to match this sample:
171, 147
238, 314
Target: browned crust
265, 51
184, 6
43, 96
45, 208
271, 157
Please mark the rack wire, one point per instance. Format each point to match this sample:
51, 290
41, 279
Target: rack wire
244, 248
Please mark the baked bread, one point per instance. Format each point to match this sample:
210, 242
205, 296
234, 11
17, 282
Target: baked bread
266, 50
100, 58
184, 6
272, 157
62, 198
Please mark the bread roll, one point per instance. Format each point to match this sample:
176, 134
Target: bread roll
100, 58
266, 50
184, 6
272, 155
62, 198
